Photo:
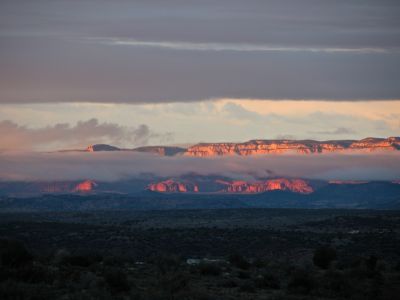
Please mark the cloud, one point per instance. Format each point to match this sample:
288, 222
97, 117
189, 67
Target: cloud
339, 130
113, 166
237, 111
81, 134
174, 51
188, 46
285, 137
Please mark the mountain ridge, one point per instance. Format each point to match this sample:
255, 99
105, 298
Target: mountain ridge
259, 146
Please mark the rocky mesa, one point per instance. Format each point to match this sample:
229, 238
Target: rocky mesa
257, 147
172, 186
282, 184
234, 186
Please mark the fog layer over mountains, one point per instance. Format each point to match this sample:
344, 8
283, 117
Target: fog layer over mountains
113, 166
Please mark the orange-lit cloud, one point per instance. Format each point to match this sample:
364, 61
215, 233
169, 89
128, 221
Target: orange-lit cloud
223, 119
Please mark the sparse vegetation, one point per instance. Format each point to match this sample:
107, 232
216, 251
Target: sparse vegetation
118, 258
324, 256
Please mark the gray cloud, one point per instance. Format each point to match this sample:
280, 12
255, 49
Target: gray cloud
234, 47
273, 49
121, 165
285, 137
81, 134
339, 130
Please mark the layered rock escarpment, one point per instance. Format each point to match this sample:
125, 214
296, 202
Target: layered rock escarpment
236, 186
255, 147
172, 186
294, 185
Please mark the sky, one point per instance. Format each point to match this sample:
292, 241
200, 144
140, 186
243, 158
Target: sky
178, 72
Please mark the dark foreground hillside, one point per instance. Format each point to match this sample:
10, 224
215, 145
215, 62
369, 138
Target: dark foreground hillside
201, 254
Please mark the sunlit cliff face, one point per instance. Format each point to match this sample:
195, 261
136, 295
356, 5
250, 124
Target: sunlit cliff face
238, 186
171, 186
282, 184
255, 147
85, 186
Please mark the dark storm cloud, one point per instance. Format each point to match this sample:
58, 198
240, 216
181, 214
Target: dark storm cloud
83, 133
158, 51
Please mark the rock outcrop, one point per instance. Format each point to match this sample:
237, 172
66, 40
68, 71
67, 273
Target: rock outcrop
237, 186
255, 147
172, 186
85, 186
294, 185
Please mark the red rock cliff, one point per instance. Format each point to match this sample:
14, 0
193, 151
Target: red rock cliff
292, 146
171, 186
283, 184
85, 186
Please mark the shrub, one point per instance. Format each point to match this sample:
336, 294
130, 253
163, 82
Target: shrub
243, 275
239, 261
78, 261
117, 280
33, 273
324, 256
228, 283
371, 262
337, 283
208, 269
12, 290
13, 253
247, 287
167, 263
259, 263
301, 282
173, 283
268, 281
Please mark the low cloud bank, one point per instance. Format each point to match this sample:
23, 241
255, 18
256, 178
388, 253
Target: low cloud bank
113, 166
83, 133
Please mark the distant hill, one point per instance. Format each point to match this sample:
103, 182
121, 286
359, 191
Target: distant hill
254, 147
372, 195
